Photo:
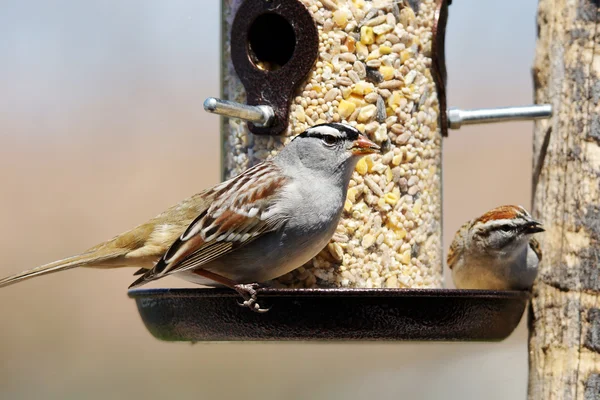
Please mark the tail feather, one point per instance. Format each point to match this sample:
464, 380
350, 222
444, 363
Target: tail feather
148, 276
60, 265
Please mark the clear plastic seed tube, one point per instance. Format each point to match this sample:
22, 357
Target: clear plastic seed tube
373, 72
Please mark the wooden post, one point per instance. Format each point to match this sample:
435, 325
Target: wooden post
564, 344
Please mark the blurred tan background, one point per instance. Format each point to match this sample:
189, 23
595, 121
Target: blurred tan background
101, 128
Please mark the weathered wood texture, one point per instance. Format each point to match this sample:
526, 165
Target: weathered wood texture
564, 345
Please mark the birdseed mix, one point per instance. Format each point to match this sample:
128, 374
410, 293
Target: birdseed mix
373, 72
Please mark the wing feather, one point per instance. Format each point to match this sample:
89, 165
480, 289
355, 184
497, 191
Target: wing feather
241, 211
535, 246
457, 245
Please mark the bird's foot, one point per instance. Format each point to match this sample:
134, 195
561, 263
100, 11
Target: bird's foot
248, 292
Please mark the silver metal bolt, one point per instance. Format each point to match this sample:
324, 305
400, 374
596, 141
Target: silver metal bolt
259, 115
458, 118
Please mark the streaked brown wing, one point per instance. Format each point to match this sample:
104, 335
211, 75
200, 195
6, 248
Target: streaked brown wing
242, 210
535, 246
455, 250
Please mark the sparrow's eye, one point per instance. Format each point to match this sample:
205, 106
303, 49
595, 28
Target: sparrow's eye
329, 140
506, 228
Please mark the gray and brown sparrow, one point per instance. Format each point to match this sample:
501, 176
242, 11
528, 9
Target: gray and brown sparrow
260, 225
496, 251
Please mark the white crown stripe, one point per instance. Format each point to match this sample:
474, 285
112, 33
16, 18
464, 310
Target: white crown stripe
325, 130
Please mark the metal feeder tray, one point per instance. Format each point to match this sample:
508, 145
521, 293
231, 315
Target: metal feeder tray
332, 314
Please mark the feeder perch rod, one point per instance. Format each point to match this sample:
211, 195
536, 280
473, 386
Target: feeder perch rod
457, 118
259, 115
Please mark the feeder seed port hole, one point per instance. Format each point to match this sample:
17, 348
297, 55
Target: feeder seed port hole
332, 314
271, 41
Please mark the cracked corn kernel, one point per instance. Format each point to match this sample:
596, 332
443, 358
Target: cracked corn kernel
361, 49
388, 174
367, 113
362, 88
395, 99
385, 50
347, 205
387, 72
366, 35
361, 166
368, 241
346, 108
299, 114
369, 162
391, 198
340, 18
405, 55
356, 99
417, 206
350, 44
405, 258
346, 92
351, 195
391, 282
400, 233
373, 55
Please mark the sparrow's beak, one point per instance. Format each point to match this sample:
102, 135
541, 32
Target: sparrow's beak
533, 227
362, 146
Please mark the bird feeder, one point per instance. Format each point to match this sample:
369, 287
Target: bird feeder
378, 65
367, 63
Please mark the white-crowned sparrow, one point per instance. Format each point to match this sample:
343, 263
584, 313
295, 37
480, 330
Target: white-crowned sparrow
260, 225
496, 251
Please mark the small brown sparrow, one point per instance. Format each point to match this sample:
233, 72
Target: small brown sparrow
496, 251
262, 224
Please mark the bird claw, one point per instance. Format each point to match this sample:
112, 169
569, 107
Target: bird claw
248, 292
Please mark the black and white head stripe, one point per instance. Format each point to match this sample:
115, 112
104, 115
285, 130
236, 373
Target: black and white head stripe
507, 218
341, 131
